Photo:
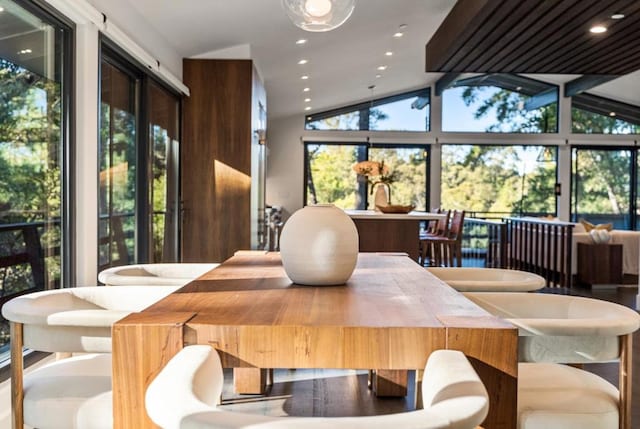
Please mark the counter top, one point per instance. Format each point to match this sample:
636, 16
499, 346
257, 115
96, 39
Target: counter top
413, 215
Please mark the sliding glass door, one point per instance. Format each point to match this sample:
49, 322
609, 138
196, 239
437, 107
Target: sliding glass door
138, 159
35, 88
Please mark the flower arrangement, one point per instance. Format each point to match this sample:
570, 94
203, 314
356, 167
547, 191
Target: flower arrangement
376, 172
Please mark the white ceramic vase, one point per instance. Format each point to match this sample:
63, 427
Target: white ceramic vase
381, 197
319, 246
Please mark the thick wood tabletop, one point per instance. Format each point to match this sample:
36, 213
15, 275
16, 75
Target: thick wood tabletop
384, 291
390, 315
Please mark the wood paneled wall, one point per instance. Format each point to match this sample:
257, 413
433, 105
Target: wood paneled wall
216, 159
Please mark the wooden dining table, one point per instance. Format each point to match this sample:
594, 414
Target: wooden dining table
389, 316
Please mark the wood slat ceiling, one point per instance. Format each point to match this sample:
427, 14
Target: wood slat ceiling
537, 36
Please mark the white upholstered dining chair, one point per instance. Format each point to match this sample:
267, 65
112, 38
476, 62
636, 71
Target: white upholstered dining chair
473, 279
165, 274
562, 329
74, 392
186, 392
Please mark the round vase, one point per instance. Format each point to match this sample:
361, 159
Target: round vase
319, 246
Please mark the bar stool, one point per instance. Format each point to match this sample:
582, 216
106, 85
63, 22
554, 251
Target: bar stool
430, 254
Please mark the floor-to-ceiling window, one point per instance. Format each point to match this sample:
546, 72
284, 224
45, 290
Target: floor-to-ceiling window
499, 180
330, 177
602, 182
138, 160
35, 88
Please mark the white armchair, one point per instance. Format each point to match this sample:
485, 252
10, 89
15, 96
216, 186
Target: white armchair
73, 392
177, 274
567, 329
186, 392
468, 279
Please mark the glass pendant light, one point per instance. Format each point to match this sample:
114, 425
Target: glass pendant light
318, 15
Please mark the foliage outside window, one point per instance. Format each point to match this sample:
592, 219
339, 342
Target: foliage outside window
499, 180
32, 154
329, 177
500, 104
591, 114
602, 185
404, 112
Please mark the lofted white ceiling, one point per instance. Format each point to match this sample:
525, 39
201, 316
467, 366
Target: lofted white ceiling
342, 63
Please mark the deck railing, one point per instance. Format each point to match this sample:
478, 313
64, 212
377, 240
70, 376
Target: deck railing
484, 243
542, 247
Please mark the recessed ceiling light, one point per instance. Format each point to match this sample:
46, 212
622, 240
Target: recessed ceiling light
378, 76
518, 88
612, 113
398, 34
25, 51
307, 108
1, 9
388, 53
306, 100
597, 29
301, 41
617, 16
301, 62
307, 89
382, 68
304, 77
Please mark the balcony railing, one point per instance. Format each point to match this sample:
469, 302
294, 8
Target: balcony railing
25, 252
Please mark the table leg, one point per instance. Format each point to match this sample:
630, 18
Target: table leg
251, 381
388, 382
142, 345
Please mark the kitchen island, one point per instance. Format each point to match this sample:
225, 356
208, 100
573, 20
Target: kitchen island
390, 232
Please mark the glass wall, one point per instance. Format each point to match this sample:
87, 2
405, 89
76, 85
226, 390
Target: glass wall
139, 165
34, 88
602, 183
118, 165
496, 181
330, 178
591, 114
496, 103
403, 112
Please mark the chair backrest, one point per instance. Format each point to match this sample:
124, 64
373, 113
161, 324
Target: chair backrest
77, 319
165, 274
443, 224
457, 223
185, 392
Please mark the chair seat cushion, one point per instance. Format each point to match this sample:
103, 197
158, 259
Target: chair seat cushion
70, 393
554, 396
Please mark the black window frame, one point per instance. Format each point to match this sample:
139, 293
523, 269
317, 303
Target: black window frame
363, 155
365, 108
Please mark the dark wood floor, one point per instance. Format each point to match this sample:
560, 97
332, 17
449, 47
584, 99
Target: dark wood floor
345, 393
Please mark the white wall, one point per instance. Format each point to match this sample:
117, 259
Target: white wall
285, 162
130, 21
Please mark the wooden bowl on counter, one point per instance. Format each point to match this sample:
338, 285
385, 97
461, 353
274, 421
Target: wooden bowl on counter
396, 209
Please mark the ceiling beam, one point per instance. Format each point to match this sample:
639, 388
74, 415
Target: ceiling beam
541, 99
445, 82
585, 83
